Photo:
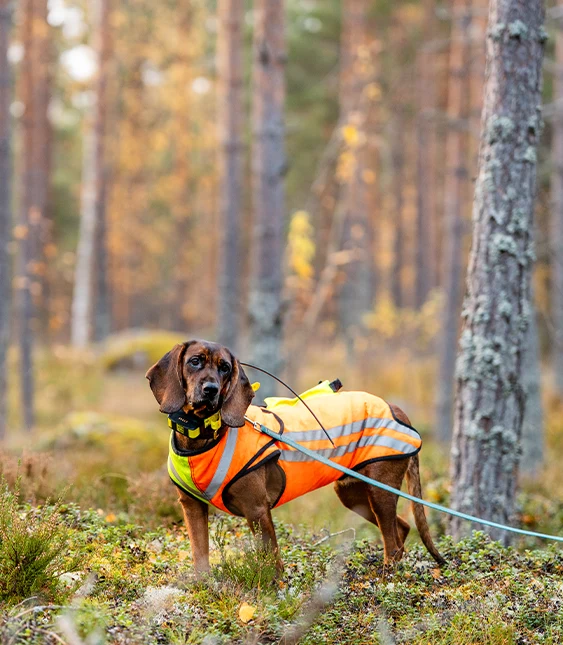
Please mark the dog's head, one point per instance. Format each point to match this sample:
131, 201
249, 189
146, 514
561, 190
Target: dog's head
202, 378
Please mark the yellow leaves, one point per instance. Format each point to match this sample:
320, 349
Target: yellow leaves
182, 555
301, 248
350, 135
246, 612
346, 166
110, 517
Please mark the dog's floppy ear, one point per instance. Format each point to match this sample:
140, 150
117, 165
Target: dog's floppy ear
165, 379
238, 398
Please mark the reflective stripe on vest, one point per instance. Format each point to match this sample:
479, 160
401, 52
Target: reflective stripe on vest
355, 427
180, 472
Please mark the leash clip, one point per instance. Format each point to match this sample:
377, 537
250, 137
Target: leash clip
255, 424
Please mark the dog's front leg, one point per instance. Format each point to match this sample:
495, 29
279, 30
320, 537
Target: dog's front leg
196, 515
260, 518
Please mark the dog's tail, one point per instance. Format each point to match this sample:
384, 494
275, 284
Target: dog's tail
415, 489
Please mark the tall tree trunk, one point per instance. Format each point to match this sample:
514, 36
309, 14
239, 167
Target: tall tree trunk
455, 193
33, 189
398, 162
5, 205
490, 390
557, 212
90, 305
426, 276
356, 294
231, 152
268, 171
102, 315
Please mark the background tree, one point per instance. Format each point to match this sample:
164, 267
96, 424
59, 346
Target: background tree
557, 208
455, 191
269, 166
6, 8
356, 293
426, 272
231, 158
90, 308
34, 183
490, 397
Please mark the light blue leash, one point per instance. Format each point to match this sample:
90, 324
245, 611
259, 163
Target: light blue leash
390, 489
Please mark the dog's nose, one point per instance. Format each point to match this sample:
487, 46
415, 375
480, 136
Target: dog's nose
210, 390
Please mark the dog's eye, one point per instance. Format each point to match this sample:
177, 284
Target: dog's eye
225, 368
195, 361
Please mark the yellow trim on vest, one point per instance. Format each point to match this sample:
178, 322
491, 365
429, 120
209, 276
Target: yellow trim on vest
323, 388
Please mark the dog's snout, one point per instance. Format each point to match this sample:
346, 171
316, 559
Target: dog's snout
210, 390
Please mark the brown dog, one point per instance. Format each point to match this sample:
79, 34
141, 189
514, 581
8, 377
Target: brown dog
198, 379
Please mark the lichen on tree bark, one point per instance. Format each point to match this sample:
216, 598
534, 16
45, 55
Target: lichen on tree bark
490, 396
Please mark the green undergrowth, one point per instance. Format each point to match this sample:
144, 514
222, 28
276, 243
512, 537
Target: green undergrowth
137, 585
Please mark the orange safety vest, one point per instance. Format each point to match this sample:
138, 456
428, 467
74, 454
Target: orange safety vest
361, 425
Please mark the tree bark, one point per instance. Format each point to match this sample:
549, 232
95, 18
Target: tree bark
231, 152
102, 316
33, 190
268, 171
557, 212
90, 305
490, 391
356, 294
6, 9
426, 275
398, 162
455, 193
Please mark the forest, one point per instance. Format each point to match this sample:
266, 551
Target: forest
363, 190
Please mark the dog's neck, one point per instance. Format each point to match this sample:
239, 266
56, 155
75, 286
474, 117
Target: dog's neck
192, 432
187, 444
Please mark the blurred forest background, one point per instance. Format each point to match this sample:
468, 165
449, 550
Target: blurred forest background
157, 185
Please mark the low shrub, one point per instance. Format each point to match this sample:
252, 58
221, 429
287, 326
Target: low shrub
33, 548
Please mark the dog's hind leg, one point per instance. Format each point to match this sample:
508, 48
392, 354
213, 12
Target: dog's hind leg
354, 495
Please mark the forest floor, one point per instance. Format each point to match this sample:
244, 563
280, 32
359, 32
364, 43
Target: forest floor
101, 449
136, 586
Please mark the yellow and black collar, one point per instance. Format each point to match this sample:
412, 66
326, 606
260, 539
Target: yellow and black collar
192, 428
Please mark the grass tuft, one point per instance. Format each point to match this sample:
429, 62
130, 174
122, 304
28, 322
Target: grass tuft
33, 548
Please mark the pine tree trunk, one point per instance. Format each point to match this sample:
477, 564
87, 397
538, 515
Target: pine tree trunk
33, 190
490, 390
455, 193
90, 306
268, 171
426, 276
102, 314
5, 205
398, 163
356, 294
231, 152
557, 213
